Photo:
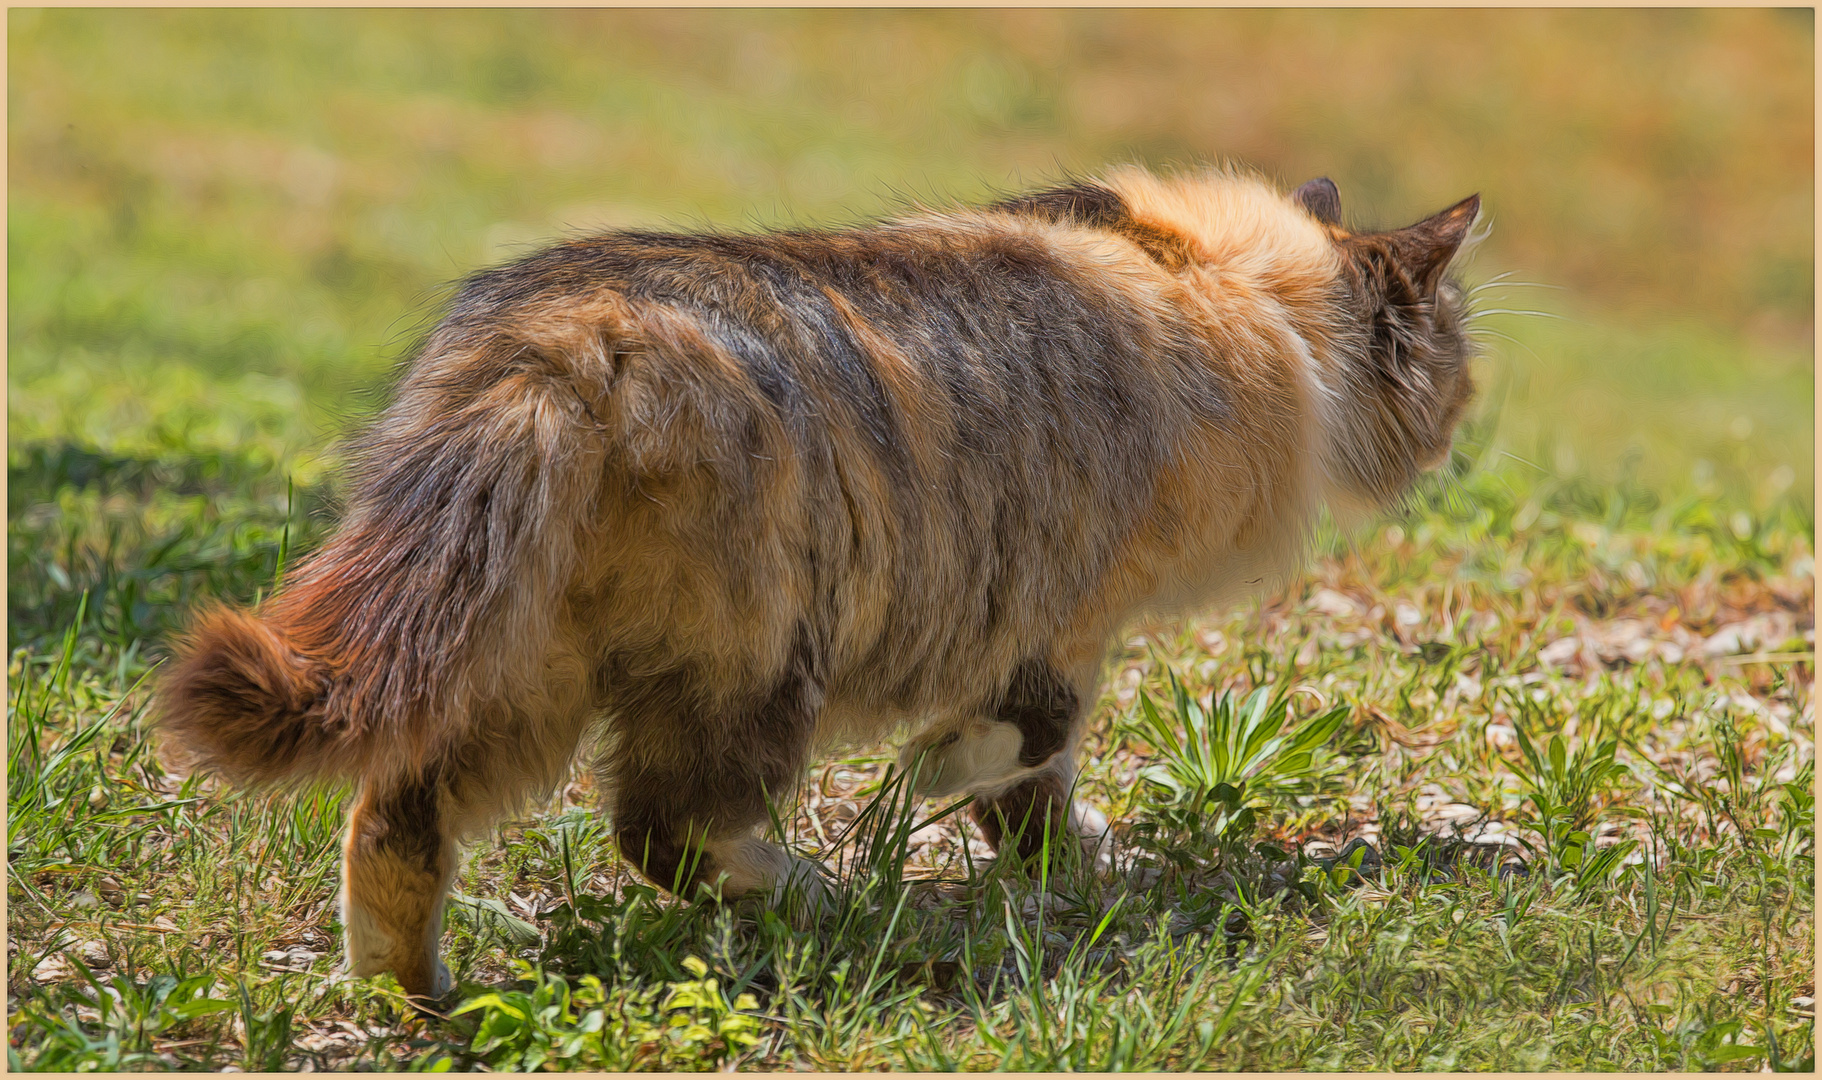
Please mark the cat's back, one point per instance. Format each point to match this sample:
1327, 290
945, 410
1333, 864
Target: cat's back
980, 314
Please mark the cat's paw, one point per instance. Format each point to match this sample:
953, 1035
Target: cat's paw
803, 896
1090, 826
752, 867
949, 760
440, 981
426, 1002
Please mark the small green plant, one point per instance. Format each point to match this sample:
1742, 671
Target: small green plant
1736, 795
1797, 815
522, 1029
267, 1040
128, 1017
693, 1027
1564, 789
1233, 755
1240, 744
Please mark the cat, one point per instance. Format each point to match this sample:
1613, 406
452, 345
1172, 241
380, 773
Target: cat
707, 501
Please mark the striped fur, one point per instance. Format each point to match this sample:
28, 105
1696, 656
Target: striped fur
706, 500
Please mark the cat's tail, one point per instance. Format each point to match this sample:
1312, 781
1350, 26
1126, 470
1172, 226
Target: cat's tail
242, 701
435, 608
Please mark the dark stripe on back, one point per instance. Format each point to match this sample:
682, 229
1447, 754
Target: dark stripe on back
1081, 204
1095, 207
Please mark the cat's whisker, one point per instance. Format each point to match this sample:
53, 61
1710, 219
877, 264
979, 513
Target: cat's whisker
1490, 285
1484, 312
1523, 460
1489, 332
1483, 332
1500, 282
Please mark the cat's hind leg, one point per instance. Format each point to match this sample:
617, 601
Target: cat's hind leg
401, 850
399, 856
690, 782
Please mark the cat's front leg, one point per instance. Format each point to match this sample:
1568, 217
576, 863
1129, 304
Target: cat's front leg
1039, 811
1019, 761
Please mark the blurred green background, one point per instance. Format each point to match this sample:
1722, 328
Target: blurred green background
225, 227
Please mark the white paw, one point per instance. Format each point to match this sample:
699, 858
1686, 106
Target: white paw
1096, 836
948, 761
750, 866
803, 896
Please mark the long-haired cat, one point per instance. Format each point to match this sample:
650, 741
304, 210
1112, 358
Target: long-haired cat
706, 500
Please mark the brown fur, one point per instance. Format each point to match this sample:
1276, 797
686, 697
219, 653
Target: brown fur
714, 499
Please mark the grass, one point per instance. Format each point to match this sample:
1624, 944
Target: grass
1543, 797
1603, 860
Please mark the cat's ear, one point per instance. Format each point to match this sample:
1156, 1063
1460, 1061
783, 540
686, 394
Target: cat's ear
1426, 247
1321, 198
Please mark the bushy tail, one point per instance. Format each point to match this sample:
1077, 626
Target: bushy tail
239, 700
437, 590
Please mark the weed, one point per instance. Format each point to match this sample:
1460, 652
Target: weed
691, 1025
125, 1021
1564, 789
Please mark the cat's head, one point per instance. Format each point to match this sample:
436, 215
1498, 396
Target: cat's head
1405, 369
